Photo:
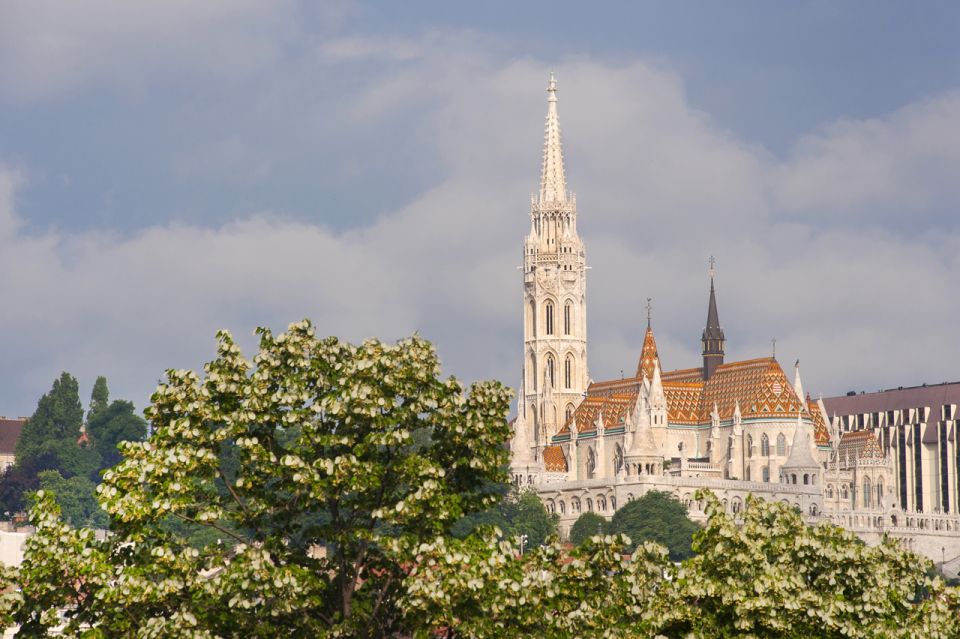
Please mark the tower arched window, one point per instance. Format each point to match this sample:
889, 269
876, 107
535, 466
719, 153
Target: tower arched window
568, 372
765, 446
532, 320
550, 371
781, 445
548, 314
867, 492
766, 474
567, 316
879, 491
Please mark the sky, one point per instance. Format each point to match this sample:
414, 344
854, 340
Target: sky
171, 168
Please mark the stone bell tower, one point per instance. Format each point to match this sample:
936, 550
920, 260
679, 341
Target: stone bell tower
554, 297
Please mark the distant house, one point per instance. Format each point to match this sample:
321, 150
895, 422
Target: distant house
10, 430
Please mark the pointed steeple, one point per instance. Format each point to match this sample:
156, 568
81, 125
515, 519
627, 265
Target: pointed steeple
553, 180
648, 354
712, 338
801, 451
798, 384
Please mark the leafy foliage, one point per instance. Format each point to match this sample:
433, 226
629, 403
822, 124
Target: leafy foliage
771, 577
587, 525
47, 435
76, 497
659, 517
326, 460
110, 425
99, 397
517, 514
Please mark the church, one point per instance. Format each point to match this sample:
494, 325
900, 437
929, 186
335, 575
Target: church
737, 428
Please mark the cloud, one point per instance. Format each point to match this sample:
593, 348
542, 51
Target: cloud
49, 47
804, 254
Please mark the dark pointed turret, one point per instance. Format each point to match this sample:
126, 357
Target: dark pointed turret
712, 335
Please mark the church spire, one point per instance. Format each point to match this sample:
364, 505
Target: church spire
712, 338
649, 357
553, 181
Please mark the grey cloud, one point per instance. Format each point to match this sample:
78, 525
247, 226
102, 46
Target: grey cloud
660, 186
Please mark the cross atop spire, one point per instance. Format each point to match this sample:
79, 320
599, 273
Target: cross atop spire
649, 310
553, 181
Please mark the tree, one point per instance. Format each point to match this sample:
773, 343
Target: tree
56, 421
76, 497
517, 514
111, 425
769, 576
587, 525
330, 497
99, 398
657, 516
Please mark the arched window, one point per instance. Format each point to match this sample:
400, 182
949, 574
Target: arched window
550, 372
601, 504
548, 314
806, 479
551, 507
747, 477
843, 492
781, 445
765, 446
569, 413
749, 446
532, 320
766, 474
880, 491
563, 508
575, 505
567, 316
867, 492
829, 491
568, 371
589, 505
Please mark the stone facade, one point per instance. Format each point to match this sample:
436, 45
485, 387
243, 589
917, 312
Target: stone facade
735, 428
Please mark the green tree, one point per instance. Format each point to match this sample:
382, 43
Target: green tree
56, 421
99, 398
587, 525
659, 517
111, 425
76, 497
518, 513
327, 460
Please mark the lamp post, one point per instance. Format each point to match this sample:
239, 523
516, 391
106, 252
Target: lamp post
523, 542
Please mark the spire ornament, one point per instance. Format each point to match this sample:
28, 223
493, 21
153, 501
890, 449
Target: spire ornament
553, 179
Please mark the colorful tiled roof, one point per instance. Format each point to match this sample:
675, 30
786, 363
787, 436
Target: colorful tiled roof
648, 356
859, 444
554, 460
759, 386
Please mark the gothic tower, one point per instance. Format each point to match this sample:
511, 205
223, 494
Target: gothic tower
554, 296
712, 338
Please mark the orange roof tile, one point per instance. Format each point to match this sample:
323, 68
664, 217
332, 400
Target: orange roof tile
554, 460
759, 385
648, 356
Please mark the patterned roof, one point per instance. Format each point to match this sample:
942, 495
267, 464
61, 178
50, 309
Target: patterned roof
859, 444
553, 460
648, 356
821, 434
759, 385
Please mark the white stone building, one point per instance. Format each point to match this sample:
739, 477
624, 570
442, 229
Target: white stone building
736, 428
